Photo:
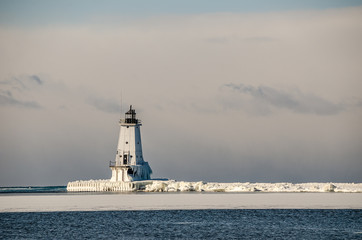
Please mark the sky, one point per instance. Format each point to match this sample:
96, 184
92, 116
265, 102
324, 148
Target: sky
227, 91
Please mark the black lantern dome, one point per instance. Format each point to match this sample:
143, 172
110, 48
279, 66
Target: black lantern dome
131, 116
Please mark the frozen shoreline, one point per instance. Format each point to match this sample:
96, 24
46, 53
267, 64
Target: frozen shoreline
169, 201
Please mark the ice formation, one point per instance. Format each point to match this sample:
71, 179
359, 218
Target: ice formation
182, 186
106, 186
141, 171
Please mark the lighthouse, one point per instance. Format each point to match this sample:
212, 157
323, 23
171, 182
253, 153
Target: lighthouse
129, 164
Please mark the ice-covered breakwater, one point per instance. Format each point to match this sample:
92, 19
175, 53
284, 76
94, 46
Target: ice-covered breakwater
106, 186
181, 186
175, 186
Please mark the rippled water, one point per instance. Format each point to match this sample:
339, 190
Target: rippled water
32, 189
185, 224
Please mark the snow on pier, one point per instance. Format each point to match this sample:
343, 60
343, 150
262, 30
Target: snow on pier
106, 186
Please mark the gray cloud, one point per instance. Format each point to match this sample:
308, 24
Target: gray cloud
36, 79
218, 40
104, 105
295, 100
6, 98
259, 39
229, 39
22, 82
17, 91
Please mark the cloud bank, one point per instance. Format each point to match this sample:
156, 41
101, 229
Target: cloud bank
15, 91
295, 101
222, 97
105, 105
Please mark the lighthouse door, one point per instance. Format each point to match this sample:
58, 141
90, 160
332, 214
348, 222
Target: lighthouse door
125, 158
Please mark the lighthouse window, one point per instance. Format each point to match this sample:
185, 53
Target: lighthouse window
127, 126
126, 142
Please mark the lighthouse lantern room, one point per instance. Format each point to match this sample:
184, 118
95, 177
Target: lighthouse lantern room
129, 164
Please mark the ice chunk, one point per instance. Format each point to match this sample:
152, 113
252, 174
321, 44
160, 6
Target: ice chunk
329, 187
141, 172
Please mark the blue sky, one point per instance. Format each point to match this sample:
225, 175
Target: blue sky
258, 91
40, 12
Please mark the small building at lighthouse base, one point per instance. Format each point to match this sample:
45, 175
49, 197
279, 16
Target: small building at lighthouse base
130, 173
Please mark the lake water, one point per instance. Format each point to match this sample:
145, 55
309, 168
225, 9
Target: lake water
52, 213
185, 224
33, 189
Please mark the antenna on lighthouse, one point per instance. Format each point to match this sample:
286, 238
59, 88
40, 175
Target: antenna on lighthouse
121, 105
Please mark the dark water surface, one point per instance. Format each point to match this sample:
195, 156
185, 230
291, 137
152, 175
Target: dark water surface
32, 189
184, 224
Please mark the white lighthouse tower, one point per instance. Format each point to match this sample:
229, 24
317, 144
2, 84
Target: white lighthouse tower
129, 164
